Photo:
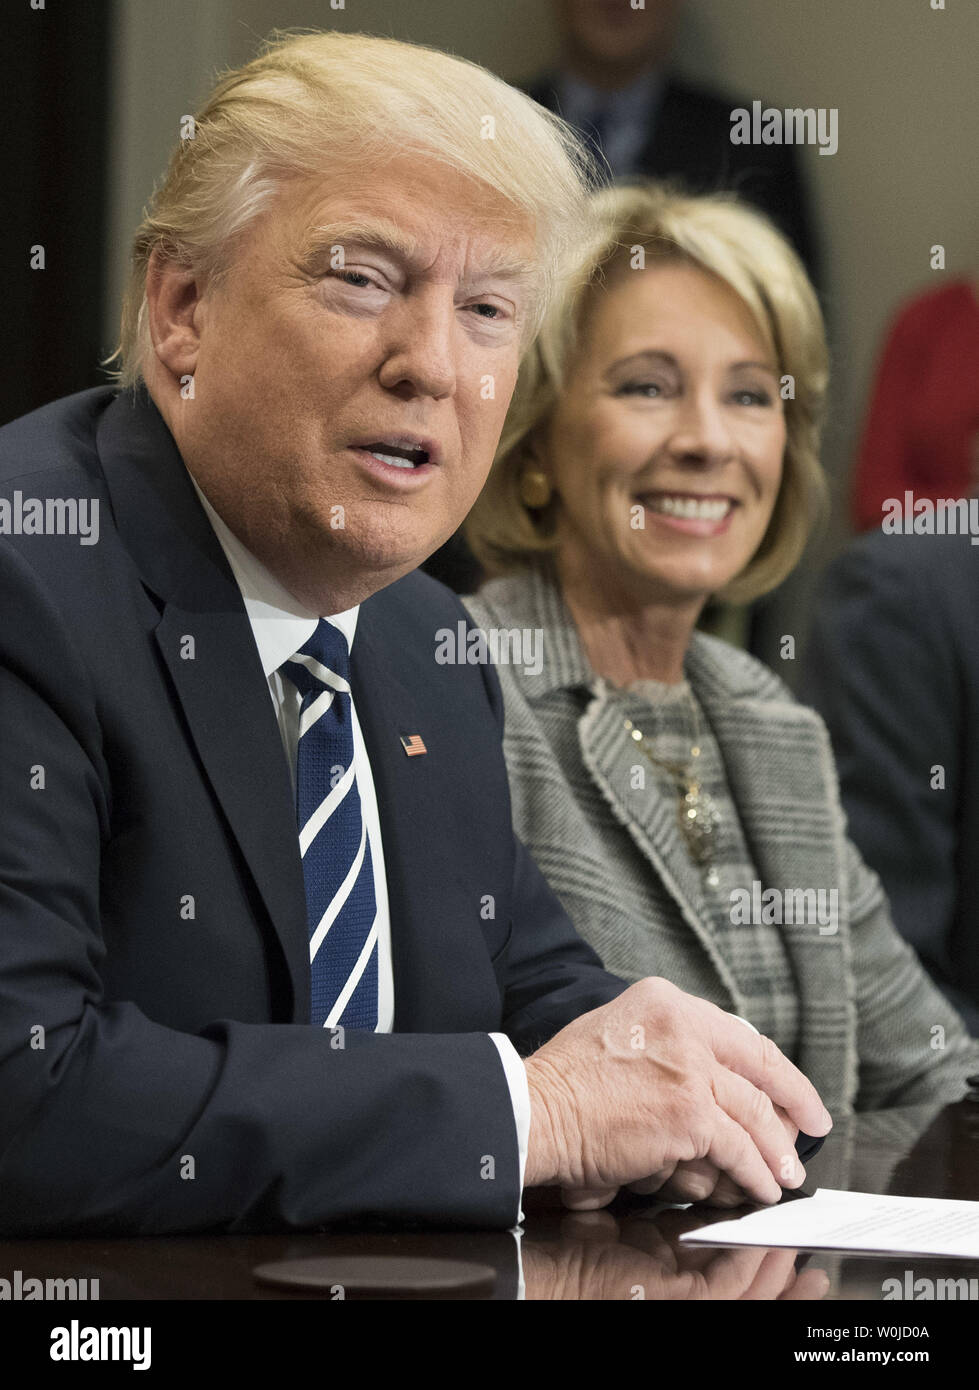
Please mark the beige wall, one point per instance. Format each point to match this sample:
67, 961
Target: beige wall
902, 76
904, 79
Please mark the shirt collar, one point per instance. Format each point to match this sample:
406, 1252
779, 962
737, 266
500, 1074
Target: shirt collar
280, 623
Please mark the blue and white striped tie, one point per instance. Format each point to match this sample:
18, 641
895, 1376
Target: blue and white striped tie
333, 840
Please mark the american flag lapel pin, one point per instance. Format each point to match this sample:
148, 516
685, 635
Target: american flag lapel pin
413, 745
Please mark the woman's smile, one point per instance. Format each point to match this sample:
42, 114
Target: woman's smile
694, 514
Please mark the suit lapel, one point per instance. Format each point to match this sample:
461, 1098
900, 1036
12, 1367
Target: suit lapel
436, 982
533, 600
649, 817
206, 642
781, 774
389, 713
225, 698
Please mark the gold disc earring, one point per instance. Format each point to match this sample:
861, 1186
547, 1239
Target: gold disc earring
535, 488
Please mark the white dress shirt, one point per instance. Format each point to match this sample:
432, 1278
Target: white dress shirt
281, 625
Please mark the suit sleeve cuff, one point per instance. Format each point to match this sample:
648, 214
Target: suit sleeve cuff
516, 1079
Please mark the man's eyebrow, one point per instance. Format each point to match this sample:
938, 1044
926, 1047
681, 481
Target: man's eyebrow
380, 234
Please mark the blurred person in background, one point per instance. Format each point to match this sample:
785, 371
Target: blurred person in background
892, 665
892, 661
615, 83
922, 429
663, 779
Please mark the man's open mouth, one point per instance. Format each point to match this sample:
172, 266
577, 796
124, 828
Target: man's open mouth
396, 455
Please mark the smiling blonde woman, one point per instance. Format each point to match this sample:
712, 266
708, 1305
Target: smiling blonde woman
661, 449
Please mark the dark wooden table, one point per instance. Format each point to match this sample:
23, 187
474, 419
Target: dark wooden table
627, 1252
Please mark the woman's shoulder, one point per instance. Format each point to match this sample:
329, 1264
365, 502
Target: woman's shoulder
717, 669
511, 600
733, 673
718, 672
526, 612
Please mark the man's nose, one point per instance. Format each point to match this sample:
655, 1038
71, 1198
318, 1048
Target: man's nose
422, 344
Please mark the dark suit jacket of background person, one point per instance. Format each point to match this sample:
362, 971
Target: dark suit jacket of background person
152, 908
691, 142
893, 667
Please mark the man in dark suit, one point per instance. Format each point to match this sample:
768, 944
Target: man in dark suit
893, 667
272, 955
615, 84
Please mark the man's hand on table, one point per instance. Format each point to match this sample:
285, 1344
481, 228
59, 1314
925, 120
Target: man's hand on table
667, 1094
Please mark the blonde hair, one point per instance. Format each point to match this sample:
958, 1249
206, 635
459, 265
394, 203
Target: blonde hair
724, 237
324, 101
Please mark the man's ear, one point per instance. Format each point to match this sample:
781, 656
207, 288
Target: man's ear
173, 297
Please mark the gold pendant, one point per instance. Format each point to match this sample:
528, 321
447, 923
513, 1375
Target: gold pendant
699, 819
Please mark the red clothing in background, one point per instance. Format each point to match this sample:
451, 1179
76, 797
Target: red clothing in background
922, 431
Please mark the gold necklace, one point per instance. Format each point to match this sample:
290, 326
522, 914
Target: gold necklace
697, 813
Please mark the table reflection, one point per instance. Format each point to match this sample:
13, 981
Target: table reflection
629, 1251
633, 1251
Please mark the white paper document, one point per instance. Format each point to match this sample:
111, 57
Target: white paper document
855, 1221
